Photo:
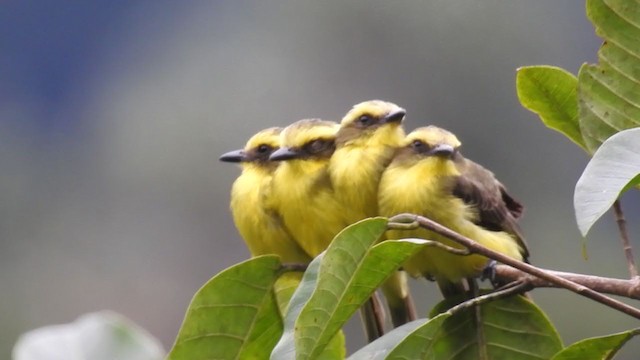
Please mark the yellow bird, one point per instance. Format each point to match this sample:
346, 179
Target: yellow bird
368, 137
304, 196
302, 191
260, 227
428, 176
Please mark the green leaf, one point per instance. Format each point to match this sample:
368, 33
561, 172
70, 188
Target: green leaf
420, 343
285, 348
350, 272
603, 348
510, 328
551, 92
609, 93
613, 168
234, 315
379, 349
337, 283
98, 336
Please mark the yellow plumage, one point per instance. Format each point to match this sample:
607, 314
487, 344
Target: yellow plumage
365, 144
258, 222
304, 195
368, 137
302, 191
260, 226
421, 179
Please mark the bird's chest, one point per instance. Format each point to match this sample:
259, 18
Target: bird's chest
355, 173
428, 196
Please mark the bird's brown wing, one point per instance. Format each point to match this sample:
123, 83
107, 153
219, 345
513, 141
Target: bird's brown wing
497, 210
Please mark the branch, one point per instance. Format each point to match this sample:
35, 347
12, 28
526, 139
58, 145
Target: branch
612, 286
474, 247
626, 244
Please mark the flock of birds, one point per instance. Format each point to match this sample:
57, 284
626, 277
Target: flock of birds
302, 184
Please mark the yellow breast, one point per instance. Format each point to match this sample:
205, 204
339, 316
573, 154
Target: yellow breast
423, 189
261, 227
303, 196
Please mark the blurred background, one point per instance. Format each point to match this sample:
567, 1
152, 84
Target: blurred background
113, 115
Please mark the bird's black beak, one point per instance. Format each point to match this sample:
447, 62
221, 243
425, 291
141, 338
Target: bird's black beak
284, 153
443, 150
395, 116
235, 156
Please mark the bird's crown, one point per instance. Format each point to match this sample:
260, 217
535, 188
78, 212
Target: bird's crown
269, 137
304, 131
375, 109
433, 135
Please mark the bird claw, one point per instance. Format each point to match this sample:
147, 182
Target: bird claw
489, 273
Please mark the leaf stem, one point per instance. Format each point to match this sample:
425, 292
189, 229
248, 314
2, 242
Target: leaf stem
516, 287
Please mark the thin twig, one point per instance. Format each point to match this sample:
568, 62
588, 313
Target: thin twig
624, 235
516, 287
530, 269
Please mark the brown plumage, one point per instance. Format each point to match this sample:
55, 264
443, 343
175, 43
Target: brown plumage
496, 209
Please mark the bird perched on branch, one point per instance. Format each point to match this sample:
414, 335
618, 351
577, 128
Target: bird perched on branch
368, 137
428, 176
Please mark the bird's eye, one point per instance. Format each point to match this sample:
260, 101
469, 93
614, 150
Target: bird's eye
417, 144
365, 120
264, 148
317, 146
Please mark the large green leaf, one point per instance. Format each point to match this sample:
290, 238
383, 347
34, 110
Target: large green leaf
609, 93
613, 168
381, 347
420, 343
510, 328
337, 283
598, 348
551, 92
98, 336
234, 315
349, 274
285, 349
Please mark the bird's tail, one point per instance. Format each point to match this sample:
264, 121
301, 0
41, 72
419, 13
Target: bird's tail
451, 289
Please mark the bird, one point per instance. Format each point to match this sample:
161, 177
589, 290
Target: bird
366, 141
302, 190
429, 176
304, 196
260, 226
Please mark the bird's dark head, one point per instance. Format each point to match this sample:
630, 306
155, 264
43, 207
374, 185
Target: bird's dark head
372, 123
307, 139
258, 149
432, 141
